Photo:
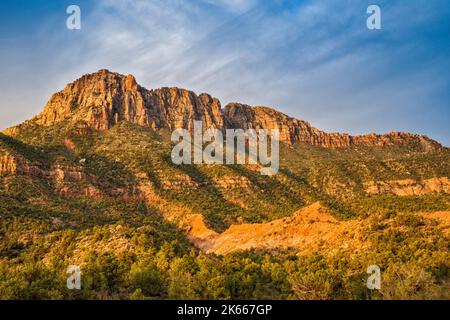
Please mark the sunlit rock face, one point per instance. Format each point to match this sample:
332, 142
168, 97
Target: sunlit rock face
104, 98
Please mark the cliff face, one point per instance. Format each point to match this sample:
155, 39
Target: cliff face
104, 98
101, 99
409, 187
298, 131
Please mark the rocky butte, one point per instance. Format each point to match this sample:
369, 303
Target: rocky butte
105, 98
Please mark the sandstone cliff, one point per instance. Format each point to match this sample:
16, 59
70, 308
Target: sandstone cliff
104, 98
409, 187
298, 131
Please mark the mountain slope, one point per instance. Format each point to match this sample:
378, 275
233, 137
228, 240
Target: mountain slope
90, 181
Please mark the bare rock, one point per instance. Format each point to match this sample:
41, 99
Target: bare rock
409, 187
104, 98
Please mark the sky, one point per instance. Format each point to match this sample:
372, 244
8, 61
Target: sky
313, 60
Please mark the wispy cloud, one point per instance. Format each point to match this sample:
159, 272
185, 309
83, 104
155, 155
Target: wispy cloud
235, 6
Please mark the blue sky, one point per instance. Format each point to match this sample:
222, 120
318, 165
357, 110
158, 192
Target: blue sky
313, 60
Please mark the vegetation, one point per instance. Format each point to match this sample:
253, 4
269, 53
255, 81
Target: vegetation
128, 250
154, 262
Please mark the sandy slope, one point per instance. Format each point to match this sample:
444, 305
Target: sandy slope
309, 229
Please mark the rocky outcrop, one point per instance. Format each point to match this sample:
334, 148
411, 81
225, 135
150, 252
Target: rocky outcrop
104, 98
409, 187
67, 180
184, 182
178, 182
17, 165
8, 164
307, 230
231, 182
298, 131
101, 99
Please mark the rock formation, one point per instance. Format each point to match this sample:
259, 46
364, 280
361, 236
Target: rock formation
409, 187
104, 98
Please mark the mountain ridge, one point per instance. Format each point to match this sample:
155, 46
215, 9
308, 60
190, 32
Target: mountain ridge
90, 182
104, 98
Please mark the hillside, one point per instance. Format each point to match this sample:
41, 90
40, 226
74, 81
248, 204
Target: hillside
89, 181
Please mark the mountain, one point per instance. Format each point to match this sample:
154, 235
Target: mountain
89, 181
104, 98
